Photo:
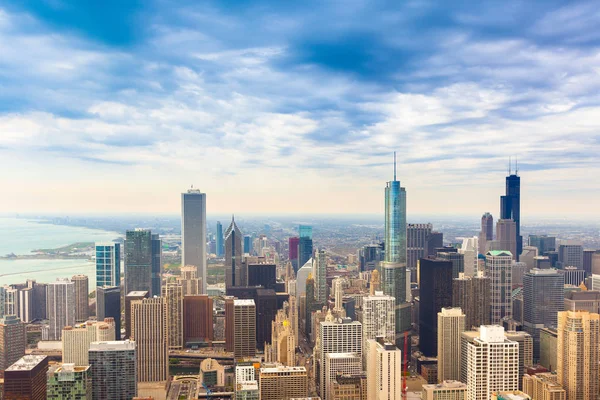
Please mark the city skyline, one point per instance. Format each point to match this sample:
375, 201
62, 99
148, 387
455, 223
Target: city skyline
215, 96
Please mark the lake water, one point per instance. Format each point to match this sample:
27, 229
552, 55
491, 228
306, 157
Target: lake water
21, 236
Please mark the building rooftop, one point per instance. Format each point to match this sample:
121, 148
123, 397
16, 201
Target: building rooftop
281, 368
137, 293
496, 253
342, 355
113, 345
26, 363
243, 302
446, 385
67, 368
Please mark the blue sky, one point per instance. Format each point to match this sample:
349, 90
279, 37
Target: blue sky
297, 106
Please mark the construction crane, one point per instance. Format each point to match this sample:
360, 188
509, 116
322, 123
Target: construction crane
405, 366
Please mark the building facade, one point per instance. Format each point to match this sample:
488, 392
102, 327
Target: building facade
113, 366
13, 340
82, 308
138, 261
193, 232
149, 331
498, 266
68, 381
451, 325
60, 299
108, 264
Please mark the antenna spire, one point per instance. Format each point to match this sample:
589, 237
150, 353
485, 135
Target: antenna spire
509, 165
394, 165
516, 165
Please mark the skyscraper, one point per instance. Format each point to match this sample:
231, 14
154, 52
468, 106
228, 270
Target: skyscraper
193, 232
108, 264
138, 260
156, 279
197, 318
172, 292
378, 319
469, 251
150, 333
544, 243
82, 308
68, 381
283, 383
393, 269
60, 300
129, 298
472, 296
506, 237
244, 329
498, 266
108, 305
510, 207
416, 244
320, 275
577, 358
451, 324
487, 226
384, 371
13, 340
543, 298
305, 244
219, 240
233, 255
570, 254
189, 281
26, 379
76, 341
114, 370
435, 281
293, 252
457, 260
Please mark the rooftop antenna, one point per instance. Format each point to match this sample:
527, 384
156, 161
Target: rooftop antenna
516, 165
509, 165
394, 165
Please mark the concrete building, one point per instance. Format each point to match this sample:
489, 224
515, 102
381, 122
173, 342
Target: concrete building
193, 232
113, 366
378, 319
82, 308
150, 332
543, 386
451, 325
244, 328
570, 254
349, 387
26, 379
588, 300
446, 390
472, 296
335, 363
13, 340
577, 358
525, 342
212, 373
189, 281
573, 276
76, 341
172, 292
491, 362
469, 251
60, 299
197, 319
129, 298
498, 266
320, 276
506, 237
68, 381
384, 371
283, 383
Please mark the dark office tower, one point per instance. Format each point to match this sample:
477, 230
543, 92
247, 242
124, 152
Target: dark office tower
247, 244
233, 255
435, 240
543, 298
220, 246
305, 244
293, 243
108, 305
570, 255
26, 379
39, 299
435, 293
310, 303
114, 370
510, 207
487, 231
13, 340
197, 319
457, 260
573, 276
416, 245
266, 309
129, 297
138, 261
193, 233
264, 275
156, 264
587, 260
544, 243
393, 269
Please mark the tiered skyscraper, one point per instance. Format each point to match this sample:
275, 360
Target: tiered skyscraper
510, 206
193, 232
393, 269
320, 275
233, 255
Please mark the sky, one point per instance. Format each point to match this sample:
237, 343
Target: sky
285, 106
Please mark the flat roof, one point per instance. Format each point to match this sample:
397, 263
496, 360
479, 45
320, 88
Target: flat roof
113, 345
243, 302
26, 363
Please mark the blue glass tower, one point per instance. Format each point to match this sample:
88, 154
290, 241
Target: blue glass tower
108, 264
305, 244
510, 206
219, 240
156, 264
247, 244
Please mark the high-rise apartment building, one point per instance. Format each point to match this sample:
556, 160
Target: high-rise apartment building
76, 340
577, 358
543, 298
219, 239
129, 298
320, 276
451, 325
472, 296
150, 333
82, 308
378, 319
26, 379
510, 209
416, 243
305, 244
60, 299
108, 305
233, 256
68, 381
506, 237
344, 363
244, 329
283, 383
108, 264
138, 261
384, 371
189, 281
114, 370
570, 254
172, 292
197, 319
193, 232
337, 336
435, 282
498, 266
491, 363
13, 340
543, 386
25, 304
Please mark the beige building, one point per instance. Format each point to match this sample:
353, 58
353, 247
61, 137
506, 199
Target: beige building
283, 383
349, 387
172, 292
543, 387
344, 363
525, 342
212, 373
244, 328
13, 340
446, 390
577, 358
76, 340
189, 281
451, 324
82, 308
384, 371
149, 332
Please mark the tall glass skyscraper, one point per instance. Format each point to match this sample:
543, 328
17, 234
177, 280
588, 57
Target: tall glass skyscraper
108, 264
510, 207
393, 269
219, 240
193, 232
138, 261
156, 264
305, 244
